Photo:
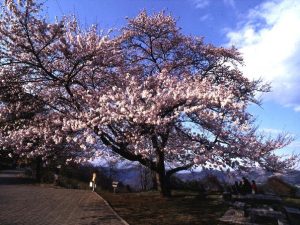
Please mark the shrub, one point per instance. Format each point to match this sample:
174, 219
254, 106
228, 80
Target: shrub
193, 185
212, 184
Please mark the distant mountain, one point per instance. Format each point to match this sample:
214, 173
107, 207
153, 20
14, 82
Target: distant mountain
131, 176
128, 176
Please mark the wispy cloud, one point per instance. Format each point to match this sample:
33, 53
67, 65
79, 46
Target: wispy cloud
297, 108
199, 4
271, 131
292, 148
295, 144
205, 17
269, 39
230, 3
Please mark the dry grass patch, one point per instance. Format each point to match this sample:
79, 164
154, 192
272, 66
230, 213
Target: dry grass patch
292, 202
182, 209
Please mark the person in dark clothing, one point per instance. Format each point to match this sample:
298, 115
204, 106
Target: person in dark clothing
254, 187
247, 186
241, 189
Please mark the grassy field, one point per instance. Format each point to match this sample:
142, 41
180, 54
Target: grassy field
182, 209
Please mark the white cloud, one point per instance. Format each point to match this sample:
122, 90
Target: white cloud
199, 4
269, 39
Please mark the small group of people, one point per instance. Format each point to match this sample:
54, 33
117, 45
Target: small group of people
244, 187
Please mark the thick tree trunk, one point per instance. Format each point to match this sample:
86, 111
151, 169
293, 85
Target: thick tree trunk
163, 178
163, 184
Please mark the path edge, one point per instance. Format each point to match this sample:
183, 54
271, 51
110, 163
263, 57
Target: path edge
114, 212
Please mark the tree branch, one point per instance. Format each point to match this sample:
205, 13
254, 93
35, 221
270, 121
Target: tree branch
177, 169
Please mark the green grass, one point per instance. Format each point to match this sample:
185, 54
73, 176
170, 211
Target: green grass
149, 208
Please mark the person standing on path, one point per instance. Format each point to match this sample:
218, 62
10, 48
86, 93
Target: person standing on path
56, 175
94, 181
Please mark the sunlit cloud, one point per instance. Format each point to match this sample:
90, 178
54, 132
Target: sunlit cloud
269, 39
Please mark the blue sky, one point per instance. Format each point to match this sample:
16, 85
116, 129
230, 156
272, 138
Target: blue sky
267, 32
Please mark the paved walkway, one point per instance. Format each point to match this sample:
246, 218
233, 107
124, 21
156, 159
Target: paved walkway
25, 204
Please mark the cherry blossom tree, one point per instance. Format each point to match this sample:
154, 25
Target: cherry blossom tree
149, 94
44, 61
